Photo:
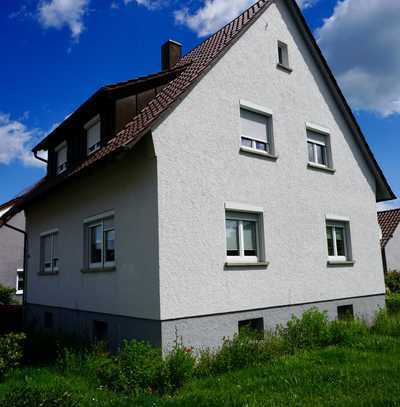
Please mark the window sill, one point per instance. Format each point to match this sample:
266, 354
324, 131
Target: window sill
98, 270
258, 152
48, 273
339, 263
317, 167
260, 264
284, 68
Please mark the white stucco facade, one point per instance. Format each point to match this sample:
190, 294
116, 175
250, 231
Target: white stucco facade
392, 252
200, 168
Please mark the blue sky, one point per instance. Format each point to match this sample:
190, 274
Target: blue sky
56, 53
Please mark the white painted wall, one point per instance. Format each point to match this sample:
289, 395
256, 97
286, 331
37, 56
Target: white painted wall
392, 251
128, 187
200, 168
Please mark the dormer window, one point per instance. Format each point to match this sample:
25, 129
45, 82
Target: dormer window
93, 135
61, 157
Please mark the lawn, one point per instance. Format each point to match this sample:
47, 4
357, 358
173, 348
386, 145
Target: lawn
313, 362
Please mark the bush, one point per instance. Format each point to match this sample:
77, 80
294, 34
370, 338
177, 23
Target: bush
6, 295
386, 324
136, 368
310, 331
393, 304
54, 394
392, 281
347, 332
11, 351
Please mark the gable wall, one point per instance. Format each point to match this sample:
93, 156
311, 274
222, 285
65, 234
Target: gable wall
127, 187
200, 168
392, 251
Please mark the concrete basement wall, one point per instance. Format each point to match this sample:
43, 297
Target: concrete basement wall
200, 168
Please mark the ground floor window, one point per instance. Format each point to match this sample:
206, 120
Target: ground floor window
100, 331
19, 288
345, 312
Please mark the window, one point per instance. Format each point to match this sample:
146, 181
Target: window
61, 157
100, 331
93, 134
19, 289
48, 320
243, 237
338, 238
48, 252
100, 243
256, 324
345, 312
256, 130
283, 55
318, 151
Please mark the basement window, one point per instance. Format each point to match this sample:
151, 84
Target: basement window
93, 138
100, 331
48, 322
345, 312
256, 324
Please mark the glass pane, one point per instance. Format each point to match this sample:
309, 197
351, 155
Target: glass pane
261, 146
321, 154
280, 54
254, 125
329, 232
95, 244
249, 238
311, 156
340, 243
246, 142
93, 136
109, 238
232, 237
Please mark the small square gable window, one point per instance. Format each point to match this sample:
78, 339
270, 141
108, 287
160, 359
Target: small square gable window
283, 56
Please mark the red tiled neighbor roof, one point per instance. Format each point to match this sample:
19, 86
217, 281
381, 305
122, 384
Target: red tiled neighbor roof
388, 221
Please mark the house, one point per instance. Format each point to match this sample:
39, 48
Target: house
233, 187
12, 250
389, 222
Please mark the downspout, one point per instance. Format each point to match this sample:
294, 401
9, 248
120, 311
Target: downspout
39, 158
25, 260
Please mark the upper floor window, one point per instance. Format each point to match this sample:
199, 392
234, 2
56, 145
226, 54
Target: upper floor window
100, 242
93, 134
283, 55
48, 252
256, 128
61, 157
338, 240
243, 237
319, 150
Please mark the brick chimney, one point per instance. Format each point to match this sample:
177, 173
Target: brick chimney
171, 53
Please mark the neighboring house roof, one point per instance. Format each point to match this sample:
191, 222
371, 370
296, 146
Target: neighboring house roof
194, 65
389, 221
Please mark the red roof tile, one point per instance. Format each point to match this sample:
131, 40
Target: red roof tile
388, 221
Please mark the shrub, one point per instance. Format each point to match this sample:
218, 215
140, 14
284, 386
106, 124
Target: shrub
134, 369
392, 281
310, 331
11, 351
347, 332
393, 304
386, 324
54, 394
6, 295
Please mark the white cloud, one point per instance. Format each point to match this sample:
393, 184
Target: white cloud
360, 41
214, 14
60, 13
16, 141
150, 4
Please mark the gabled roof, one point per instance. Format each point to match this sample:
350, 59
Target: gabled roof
388, 221
193, 66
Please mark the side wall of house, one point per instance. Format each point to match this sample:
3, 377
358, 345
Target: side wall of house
128, 187
201, 168
392, 251
11, 251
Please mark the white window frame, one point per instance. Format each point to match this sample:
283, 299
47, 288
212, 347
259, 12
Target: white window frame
240, 216
269, 142
91, 123
19, 292
344, 225
314, 144
61, 168
91, 223
325, 133
52, 268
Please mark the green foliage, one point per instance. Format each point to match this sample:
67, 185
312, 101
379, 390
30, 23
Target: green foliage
386, 324
310, 331
6, 295
393, 304
347, 332
11, 351
392, 281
